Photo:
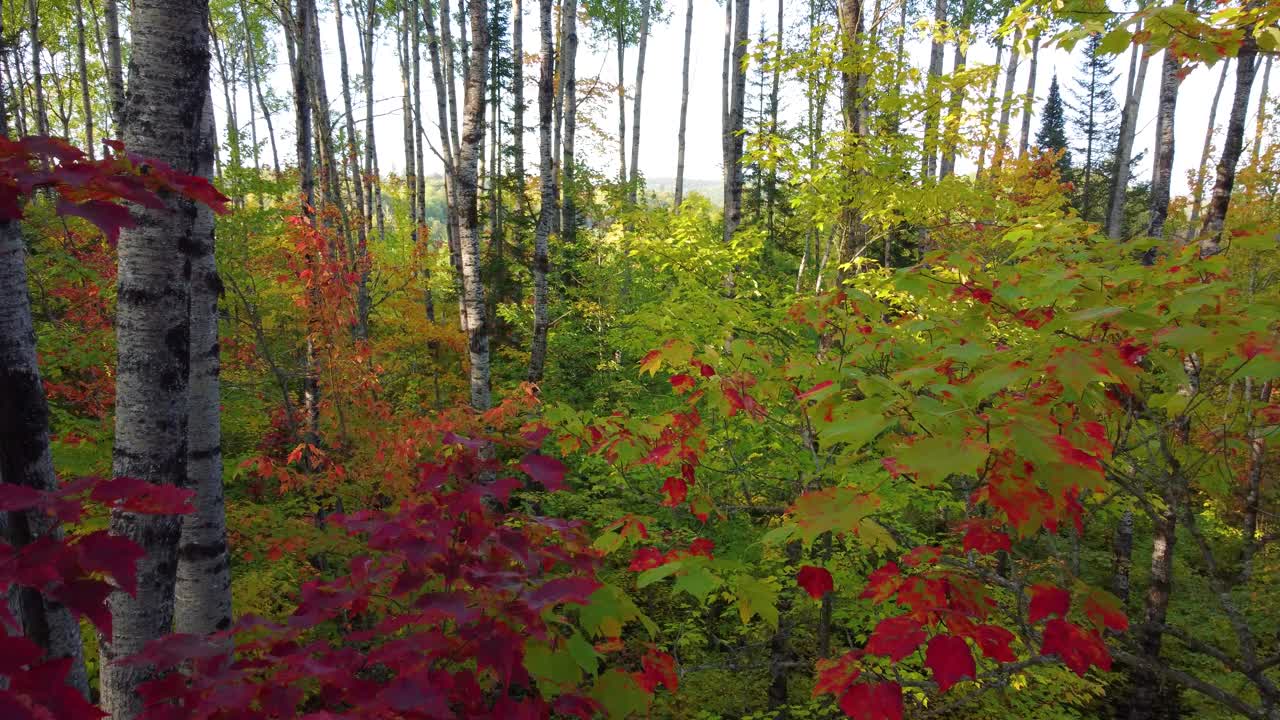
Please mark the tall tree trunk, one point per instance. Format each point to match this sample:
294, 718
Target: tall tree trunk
226, 73
733, 131
634, 182
1137, 79
991, 109
684, 105
373, 186
24, 447
547, 184
465, 208
569, 81
1197, 190
952, 125
1146, 685
1162, 170
1253, 491
37, 73
361, 329
115, 66
621, 54
1232, 145
303, 17
854, 231
1006, 103
557, 112
517, 103
164, 111
202, 596
1028, 105
936, 48
252, 67
406, 83
85, 102
1261, 120
1122, 556
443, 79
772, 189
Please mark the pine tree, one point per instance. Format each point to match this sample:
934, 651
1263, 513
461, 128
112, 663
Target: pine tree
1053, 128
1095, 117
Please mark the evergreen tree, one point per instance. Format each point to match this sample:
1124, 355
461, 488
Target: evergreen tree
1095, 117
1053, 128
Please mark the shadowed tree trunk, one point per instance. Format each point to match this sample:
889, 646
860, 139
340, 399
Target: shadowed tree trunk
1137, 79
990, 110
684, 105
361, 329
569, 80
24, 448
1006, 103
1122, 556
853, 230
1162, 168
517, 104
954, 110
168, 87
85, 103
37, 72
547, 185
936, 49
256, 82
1232, 146
202, 596
634, 181
1197, 191
465, 208
733, 130
621, 55
1261, 119
1028, 104
115, 65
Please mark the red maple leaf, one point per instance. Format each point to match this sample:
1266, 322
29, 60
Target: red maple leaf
1047, 600
834, 675
896, 637
815, 580
546, 470
949, 658
1078, 648
873, 701
675, 490
659, 669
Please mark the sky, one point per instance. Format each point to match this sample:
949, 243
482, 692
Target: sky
662, 84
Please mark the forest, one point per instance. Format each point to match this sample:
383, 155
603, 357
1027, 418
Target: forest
357, 363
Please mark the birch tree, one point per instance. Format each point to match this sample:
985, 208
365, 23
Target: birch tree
169, 80
547, 187
202, 602
684, 105
1136, 80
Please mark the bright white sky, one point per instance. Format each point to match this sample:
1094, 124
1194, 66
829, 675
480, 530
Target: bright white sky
661, 99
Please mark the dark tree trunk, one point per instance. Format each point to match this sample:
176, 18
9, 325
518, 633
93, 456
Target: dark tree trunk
1232, 145
733, 131
569, 80
1162, 170
684, 105
634, 181
547, 184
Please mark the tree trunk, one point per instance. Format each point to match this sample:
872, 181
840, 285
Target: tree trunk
1253, 491
85, 101
373, 186
517, 104
569, 80
1197, 191
202, 597
361, 329
733, 132
307, 185
406, 83
115, 72
772, 189
991, 110
622, 103
1137, 79
465, 208
634, 183
37, 74
1122, 557
24, 448
952, 129
547, 184
226, 73
854, 232
684, 105
1146, 685
252, 67
167, 93
1028, 105
1162, 170
936, 48
1261, 120
1006, 103
1232, 145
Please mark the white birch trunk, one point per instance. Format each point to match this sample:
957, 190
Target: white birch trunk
167, 90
